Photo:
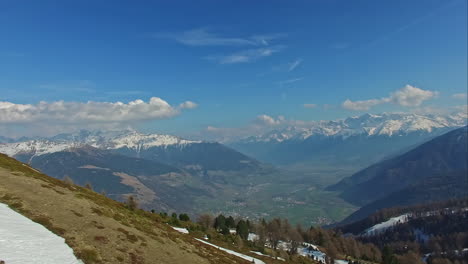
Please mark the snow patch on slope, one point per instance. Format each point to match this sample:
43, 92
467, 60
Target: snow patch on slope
378, 228
180, 230
24, 241
243, 256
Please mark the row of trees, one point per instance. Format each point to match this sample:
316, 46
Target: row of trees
271, 233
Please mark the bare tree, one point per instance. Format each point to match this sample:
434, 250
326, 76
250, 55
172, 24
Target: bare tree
205, 220
132, 202
88, 186
295, 239
67, 180
274, 232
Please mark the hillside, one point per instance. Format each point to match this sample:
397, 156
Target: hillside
98, 229
436, 231
440, 157
438, 187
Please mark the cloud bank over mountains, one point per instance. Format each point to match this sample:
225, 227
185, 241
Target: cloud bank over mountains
49, 116
408, 96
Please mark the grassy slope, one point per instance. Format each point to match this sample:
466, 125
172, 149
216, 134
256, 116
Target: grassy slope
98, 229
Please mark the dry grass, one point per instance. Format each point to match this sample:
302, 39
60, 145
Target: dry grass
98, 229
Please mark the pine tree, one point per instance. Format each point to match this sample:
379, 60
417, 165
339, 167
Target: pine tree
220, 222
388, 257
230, 223
184, 217
242, 229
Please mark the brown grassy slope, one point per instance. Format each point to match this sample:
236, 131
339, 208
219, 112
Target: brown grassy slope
98, 229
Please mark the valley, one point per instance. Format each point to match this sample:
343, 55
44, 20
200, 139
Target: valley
167, 173
234, 132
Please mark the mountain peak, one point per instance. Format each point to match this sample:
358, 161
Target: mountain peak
385, 124
130, 139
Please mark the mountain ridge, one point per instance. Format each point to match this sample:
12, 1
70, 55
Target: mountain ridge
435, 170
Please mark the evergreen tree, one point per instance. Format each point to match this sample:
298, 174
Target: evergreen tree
242, 229
220, 222
225, 230
230, 223
184, 217
388, 257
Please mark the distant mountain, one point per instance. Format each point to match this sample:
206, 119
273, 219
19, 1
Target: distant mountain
194, 155
98, 139
116, 175
163, 171
337, 142
434, 170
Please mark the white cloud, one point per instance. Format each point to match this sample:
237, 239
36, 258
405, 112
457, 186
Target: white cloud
411, 96
290, 81
268, 120
260, 45
309, 105
360, 105
188, 105
61, 114
260, 124
202, 37
244, 56
408, 96
293, 65
459, 96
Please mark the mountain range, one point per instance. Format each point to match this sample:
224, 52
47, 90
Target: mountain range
164, 172
435, 170
167, 173
336, 142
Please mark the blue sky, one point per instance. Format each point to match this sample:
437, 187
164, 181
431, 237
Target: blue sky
235, 60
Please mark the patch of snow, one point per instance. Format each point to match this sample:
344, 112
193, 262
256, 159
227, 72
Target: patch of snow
24, 241
341, 261
243, 256
252, 237
265, 255
310, 245
312, 253
387, 224
181, 230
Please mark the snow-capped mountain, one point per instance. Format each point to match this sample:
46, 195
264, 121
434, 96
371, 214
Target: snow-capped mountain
102, 140
162, 148
386, 124
353, 141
